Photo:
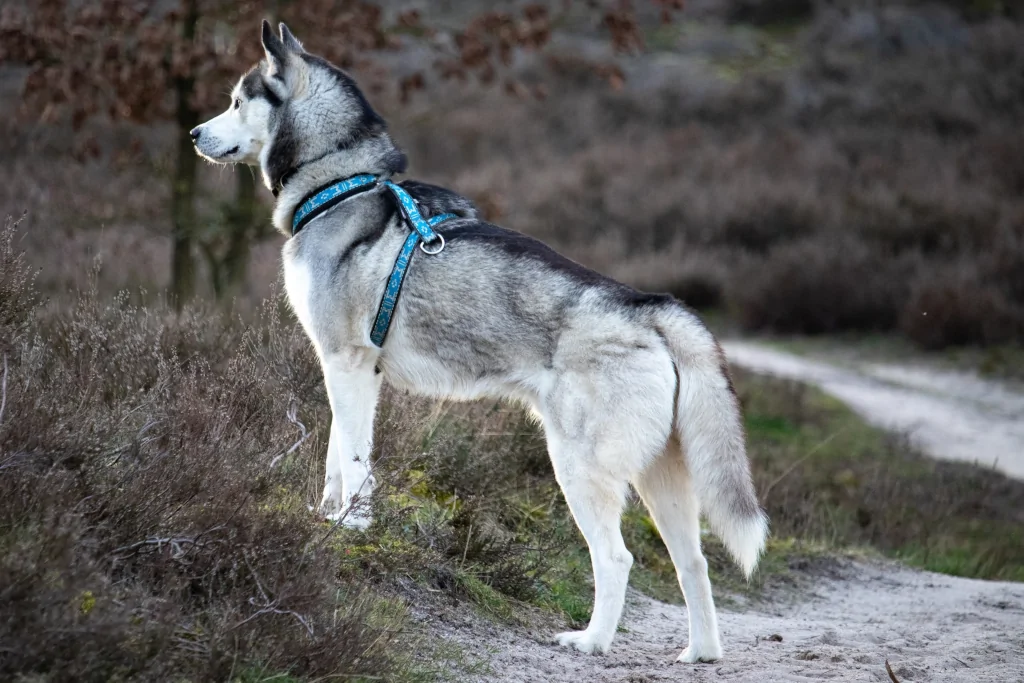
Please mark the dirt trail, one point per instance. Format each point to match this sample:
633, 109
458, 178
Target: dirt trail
848, 619
948, 415
930, 627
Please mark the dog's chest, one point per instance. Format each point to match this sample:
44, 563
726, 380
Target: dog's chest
298, 283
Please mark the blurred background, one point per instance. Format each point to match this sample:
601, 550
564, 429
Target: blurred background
785, 166
821, 179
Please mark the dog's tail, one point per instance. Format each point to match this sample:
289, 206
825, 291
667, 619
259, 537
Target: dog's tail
709, 426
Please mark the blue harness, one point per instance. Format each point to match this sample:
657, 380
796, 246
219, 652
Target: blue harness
422, 234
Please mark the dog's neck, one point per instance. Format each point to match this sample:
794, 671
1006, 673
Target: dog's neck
377, 155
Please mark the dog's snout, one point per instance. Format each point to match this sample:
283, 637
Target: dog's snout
196, 132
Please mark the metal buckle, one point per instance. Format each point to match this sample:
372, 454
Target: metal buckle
423, 246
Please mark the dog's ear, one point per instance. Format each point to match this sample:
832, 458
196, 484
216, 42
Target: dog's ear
289, 40
276, 51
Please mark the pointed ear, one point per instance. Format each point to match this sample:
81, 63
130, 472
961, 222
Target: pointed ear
275, 50
289, 40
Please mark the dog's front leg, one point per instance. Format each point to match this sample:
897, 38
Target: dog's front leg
352, 388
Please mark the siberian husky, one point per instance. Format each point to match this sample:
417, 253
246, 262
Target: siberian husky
630, 387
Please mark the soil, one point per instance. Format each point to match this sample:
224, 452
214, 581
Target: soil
842, 621
844, 627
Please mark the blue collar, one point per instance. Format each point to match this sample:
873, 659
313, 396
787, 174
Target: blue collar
422, 234
326, 197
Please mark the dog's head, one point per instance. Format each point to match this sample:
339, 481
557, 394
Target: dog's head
292, 108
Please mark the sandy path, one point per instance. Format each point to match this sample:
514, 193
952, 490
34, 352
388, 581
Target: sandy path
930, 627
949, 415
855, 615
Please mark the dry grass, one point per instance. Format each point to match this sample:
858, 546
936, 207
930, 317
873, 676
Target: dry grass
156, 479
144, 533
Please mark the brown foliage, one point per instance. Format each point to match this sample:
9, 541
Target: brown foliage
144, 534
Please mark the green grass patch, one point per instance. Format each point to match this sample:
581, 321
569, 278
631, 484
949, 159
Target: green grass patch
837, 482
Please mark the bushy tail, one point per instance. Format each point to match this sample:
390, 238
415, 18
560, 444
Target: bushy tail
709, 426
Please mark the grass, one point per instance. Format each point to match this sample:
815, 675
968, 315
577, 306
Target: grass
830, 478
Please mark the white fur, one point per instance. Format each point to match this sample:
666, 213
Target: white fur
628, 393
238, 135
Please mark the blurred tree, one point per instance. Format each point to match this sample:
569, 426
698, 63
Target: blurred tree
168, 60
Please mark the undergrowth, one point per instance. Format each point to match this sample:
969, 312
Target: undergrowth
156, 469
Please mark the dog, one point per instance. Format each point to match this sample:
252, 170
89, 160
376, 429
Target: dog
631, 388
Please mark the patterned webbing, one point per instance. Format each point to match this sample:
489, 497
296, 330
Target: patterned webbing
328, 196
422, 229
390, 298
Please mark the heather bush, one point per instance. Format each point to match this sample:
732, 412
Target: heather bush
156, 469
146, 531
817, 286
955, 306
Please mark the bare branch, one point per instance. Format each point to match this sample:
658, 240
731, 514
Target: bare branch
268, 606
177, 544
3, 391
274, 610
292, 416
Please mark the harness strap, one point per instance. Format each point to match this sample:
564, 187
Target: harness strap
326, 197
422, 234
387, 303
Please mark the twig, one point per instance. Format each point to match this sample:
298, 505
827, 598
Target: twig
269, 606
800, 461
888, 670
962, 662
292, 416
3, 391
274, 610
176, 544
469, 535
12, 460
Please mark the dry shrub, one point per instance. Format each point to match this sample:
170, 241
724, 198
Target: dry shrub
956, 307
17, 298
816, 287
462, 470
696, 289
144, 533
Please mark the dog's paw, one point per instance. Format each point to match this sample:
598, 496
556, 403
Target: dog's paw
350, 516
705, 653
584, 641
352, 520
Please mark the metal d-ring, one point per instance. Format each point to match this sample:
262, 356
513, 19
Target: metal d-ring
423, 246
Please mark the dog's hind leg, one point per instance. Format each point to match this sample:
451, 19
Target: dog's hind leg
353, 388
596, 498
667, 491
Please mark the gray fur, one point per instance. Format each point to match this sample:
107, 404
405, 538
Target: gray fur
631, 388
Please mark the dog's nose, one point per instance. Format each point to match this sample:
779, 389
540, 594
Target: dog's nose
195, 133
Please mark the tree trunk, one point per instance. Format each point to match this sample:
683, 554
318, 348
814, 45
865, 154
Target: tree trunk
236, 259
183, 215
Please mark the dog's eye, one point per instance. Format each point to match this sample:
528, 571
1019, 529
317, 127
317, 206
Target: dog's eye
238, 102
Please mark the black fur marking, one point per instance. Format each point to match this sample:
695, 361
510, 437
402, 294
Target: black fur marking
255, 88
723, 364
378, 226
275, 49
281, 160
519, 245
437, 200
395, 162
